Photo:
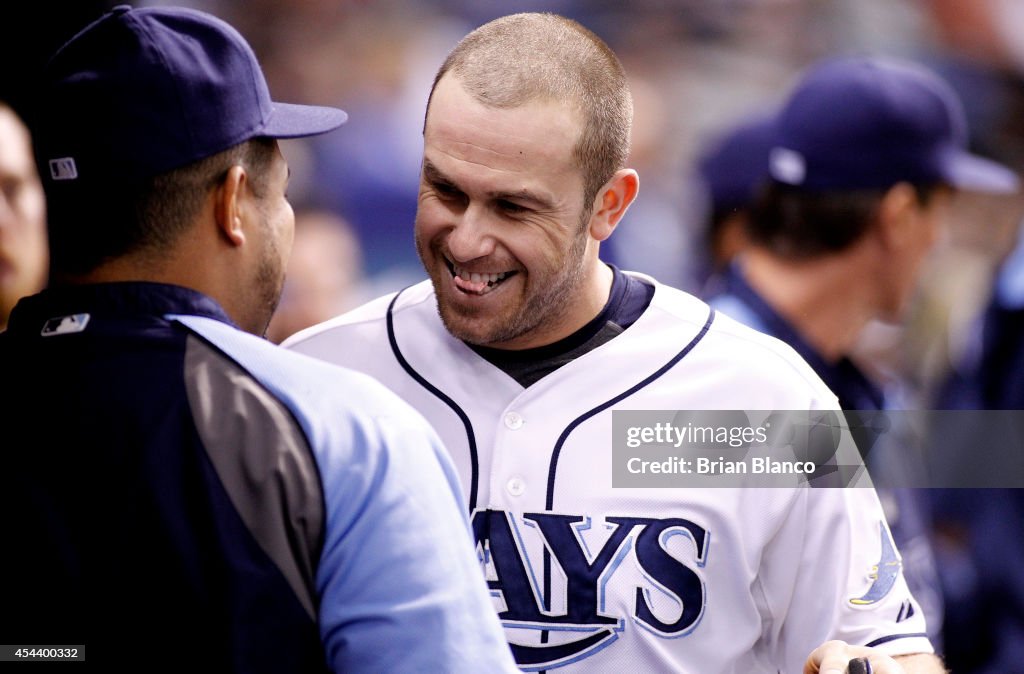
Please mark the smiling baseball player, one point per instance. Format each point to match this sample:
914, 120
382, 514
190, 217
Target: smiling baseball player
522, 344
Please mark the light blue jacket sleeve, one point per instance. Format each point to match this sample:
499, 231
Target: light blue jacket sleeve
399, 584
401, 589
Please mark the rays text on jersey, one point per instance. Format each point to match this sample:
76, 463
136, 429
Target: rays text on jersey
549, 573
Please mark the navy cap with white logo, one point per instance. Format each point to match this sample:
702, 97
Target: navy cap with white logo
859, 123
140, 92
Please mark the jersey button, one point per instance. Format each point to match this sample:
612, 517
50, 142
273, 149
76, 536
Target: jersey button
514, 421
515, 486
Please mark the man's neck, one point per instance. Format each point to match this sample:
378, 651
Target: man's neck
628, 299
827, 299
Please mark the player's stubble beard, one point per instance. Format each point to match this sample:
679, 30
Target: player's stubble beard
541, 301
268, 281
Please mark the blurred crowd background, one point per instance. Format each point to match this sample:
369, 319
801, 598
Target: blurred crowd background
696, 68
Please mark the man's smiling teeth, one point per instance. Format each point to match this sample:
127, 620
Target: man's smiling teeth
475, 277
475, 282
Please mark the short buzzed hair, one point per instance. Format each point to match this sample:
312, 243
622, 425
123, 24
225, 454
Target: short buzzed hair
540, 56
147, 217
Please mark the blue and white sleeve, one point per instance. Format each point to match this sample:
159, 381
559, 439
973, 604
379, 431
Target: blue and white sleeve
400, 587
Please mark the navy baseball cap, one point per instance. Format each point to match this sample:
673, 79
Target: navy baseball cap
859, 123
140, 92
735, 163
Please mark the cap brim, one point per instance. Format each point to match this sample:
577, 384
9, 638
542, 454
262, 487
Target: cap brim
288, 120
967, 171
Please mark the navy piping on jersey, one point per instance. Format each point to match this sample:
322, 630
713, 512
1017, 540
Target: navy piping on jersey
470, 436
894, 637
549, 503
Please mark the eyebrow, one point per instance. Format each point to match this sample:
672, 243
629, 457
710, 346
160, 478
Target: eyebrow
435, 176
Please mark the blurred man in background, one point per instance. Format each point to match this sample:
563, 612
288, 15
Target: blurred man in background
980, 542
732, 168
23, 249
837, 238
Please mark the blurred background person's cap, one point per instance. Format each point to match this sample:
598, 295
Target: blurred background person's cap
861, 123
735, 163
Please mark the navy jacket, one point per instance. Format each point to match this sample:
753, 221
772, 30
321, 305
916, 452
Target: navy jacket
179, 495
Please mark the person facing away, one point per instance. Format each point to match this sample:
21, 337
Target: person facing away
981, 525
23, 252
523, 342
182, 491
731, 169
855, 201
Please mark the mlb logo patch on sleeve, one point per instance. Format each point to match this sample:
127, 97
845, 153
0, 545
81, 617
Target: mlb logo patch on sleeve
65, 325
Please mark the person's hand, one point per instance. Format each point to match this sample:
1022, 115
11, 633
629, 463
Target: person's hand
834, 657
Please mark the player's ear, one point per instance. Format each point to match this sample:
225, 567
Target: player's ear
896, 213
612, 201
228, 210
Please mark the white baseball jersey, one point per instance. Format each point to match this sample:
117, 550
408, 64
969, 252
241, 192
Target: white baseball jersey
591, 578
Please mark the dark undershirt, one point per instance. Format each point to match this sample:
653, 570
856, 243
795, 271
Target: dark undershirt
627, 300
